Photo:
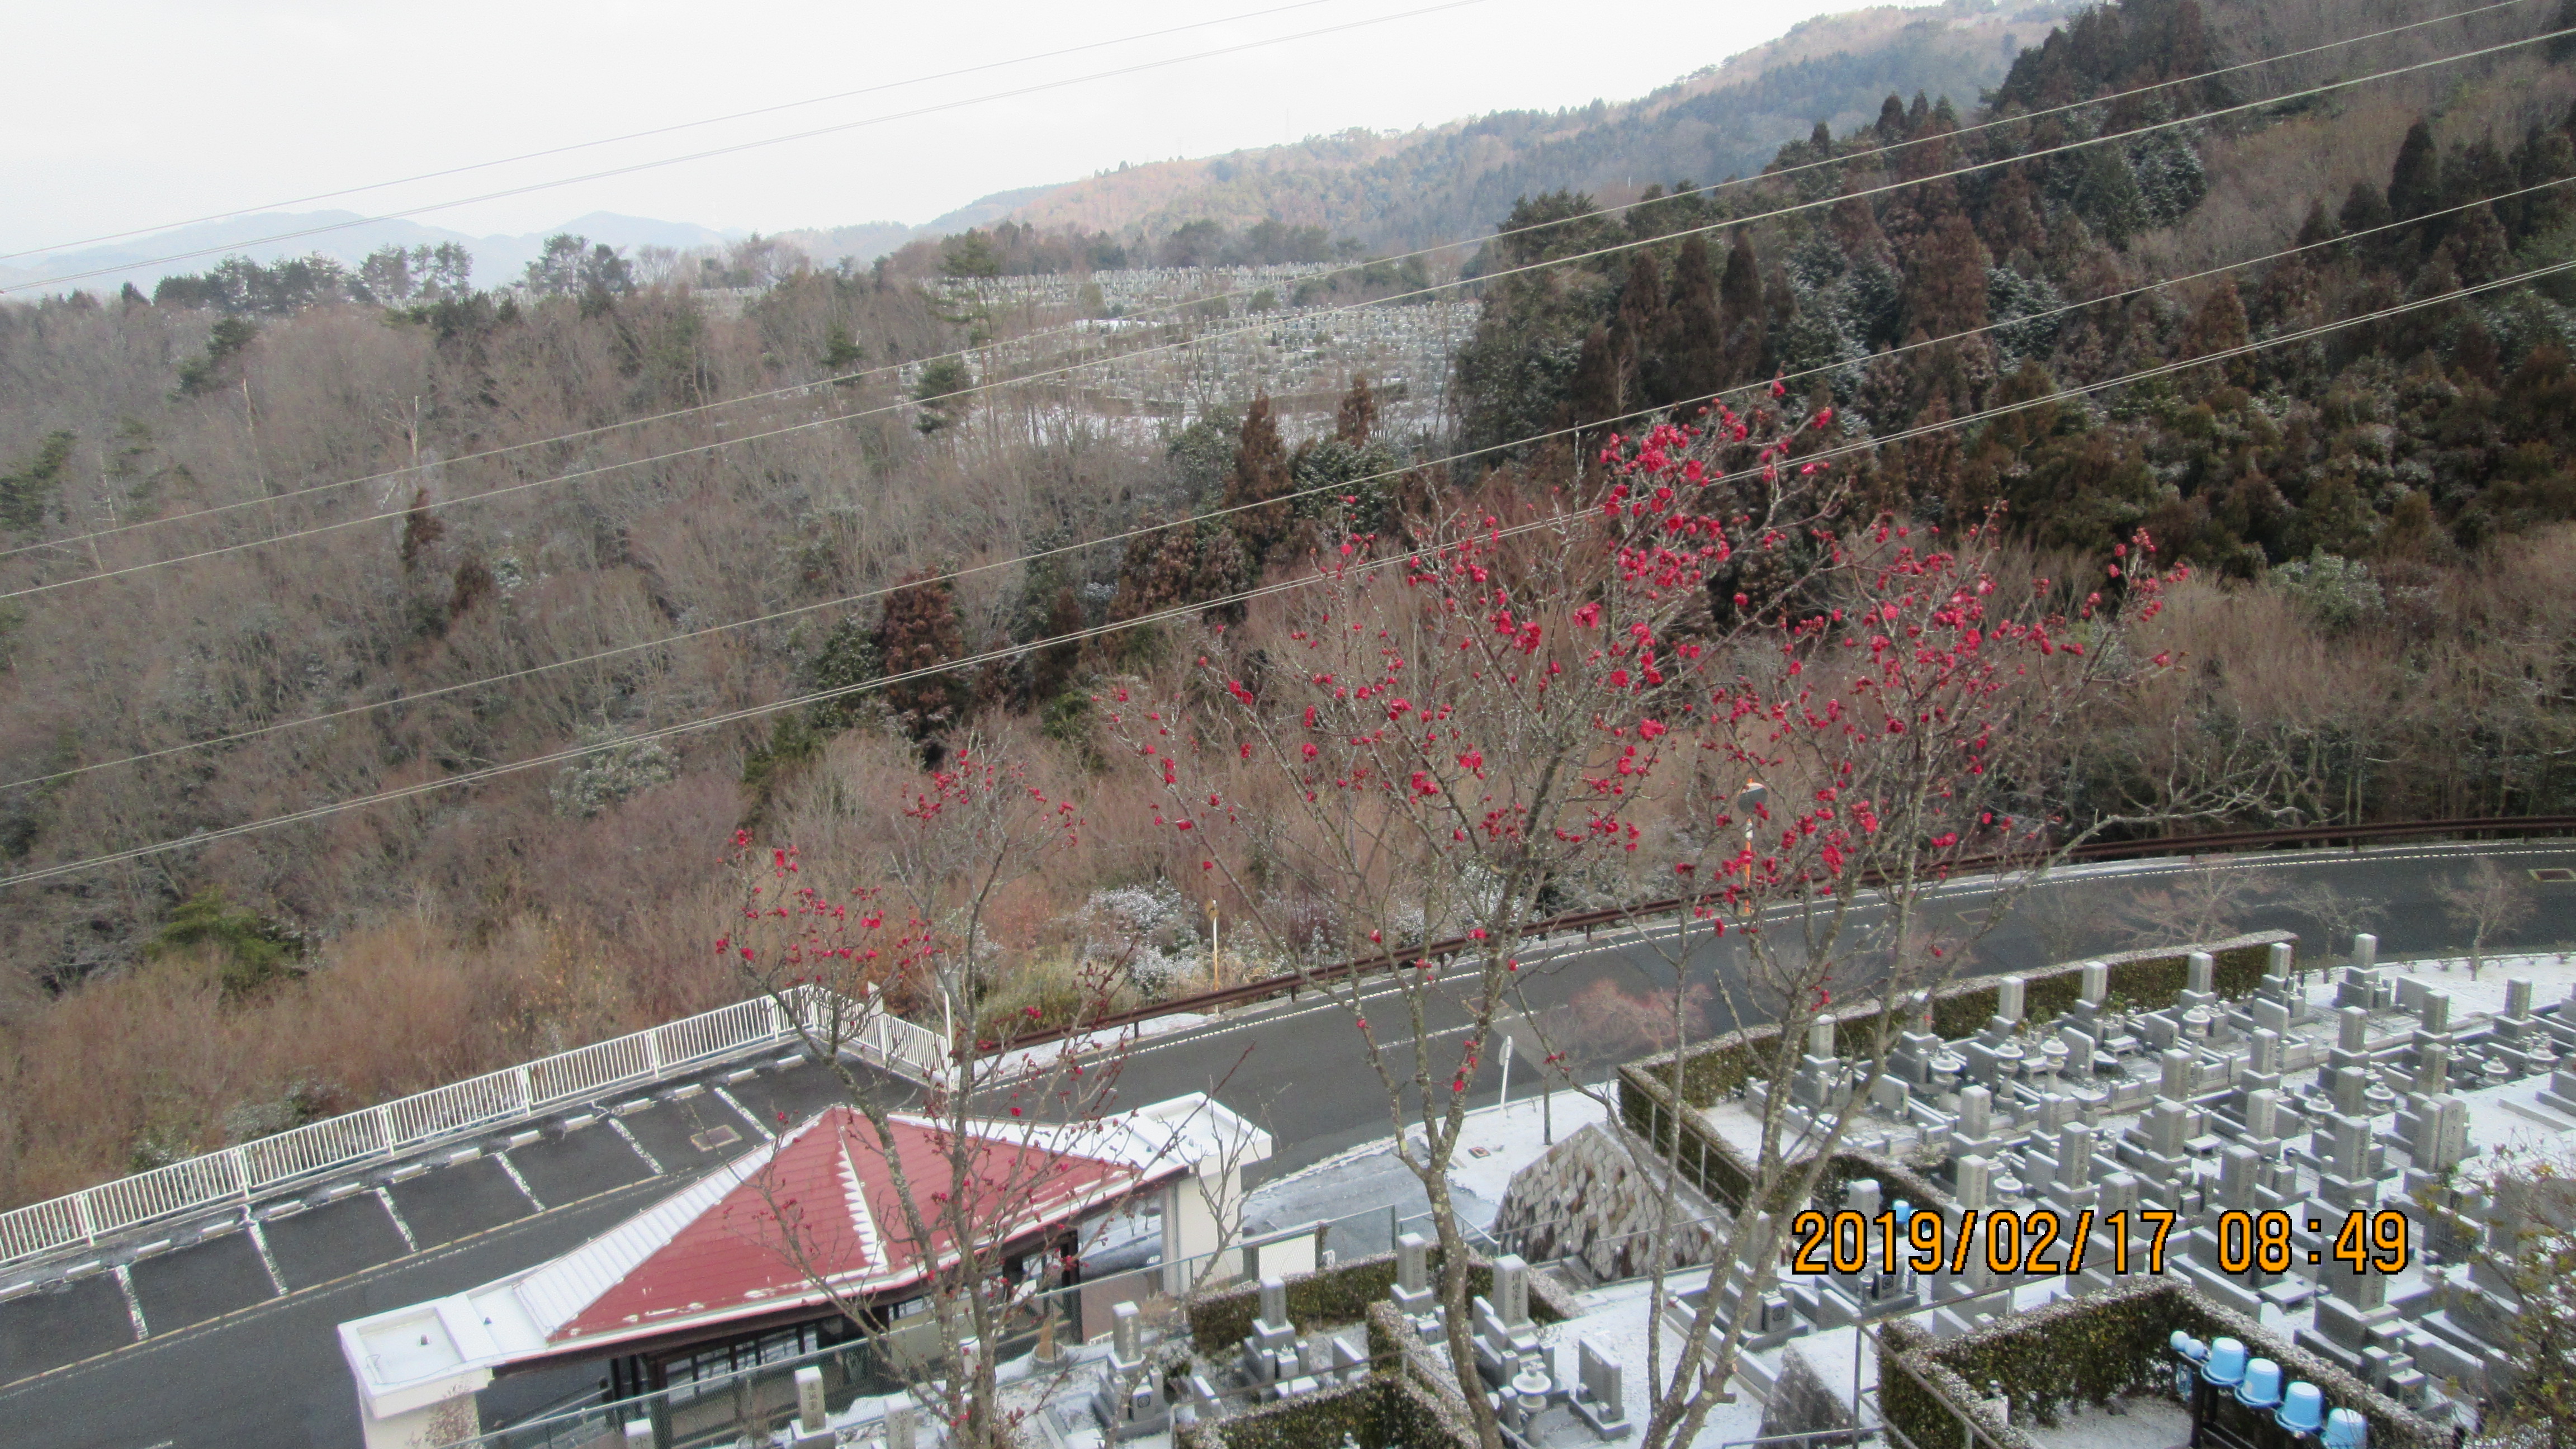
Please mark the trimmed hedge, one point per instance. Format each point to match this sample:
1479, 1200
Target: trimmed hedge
1394, 1405
1309, 1419
2091, 1350
1703, 1159
1379, 1410
1415, 1419
1342, 1294
1425, 1372
1895, 1179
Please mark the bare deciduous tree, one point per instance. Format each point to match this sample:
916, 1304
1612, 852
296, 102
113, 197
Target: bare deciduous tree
2487, 901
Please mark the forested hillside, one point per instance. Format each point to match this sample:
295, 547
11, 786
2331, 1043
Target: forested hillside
2390, 495
204, 622
1407, 190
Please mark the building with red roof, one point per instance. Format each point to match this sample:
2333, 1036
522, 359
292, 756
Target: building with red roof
792, 1239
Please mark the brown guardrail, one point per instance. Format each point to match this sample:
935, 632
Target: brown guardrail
1289, 983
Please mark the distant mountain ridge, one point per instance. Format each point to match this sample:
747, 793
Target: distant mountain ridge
497, 258
870, 240
1438, 183
1390, 190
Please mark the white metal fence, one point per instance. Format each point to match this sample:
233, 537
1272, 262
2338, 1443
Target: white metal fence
236, 1174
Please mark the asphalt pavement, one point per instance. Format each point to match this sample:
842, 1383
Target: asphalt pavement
228, 1340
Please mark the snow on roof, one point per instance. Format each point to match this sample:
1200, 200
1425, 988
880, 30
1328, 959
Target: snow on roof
819, 1213
791, 1223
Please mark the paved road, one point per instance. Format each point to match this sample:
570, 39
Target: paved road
229, 1342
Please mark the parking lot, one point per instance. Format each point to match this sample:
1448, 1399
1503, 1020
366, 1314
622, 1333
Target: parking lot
181, 1276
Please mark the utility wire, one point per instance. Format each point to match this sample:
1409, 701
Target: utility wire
1892, 146
677, 126
1147, 530
1178, 612
1037, 88
1069, 369
804, 388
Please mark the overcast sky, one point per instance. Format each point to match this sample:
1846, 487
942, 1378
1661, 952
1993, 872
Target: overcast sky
124, 115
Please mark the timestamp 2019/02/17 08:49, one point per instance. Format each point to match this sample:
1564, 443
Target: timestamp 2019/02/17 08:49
2041, 1241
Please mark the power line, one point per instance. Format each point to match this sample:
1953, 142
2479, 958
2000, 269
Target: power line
1069, 369
1245, 596
679, 126
2019, 118
710, 153
1146, 530
865, 373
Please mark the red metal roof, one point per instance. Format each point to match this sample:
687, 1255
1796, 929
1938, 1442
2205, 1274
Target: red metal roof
824, 1206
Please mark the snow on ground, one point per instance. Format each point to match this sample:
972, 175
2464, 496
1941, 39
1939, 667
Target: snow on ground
1613, 1320
2143, 1423
1499, 1141
1048, 1055
2552, 975
1353, 1193
1496, 1142
2512, 1116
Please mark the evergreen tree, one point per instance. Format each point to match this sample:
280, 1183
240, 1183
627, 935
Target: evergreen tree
2217, 325
250, 949
1191, 562
1221, 566
1598, 391
2011, 222
1156, 571
1636, 336
1693, 342
849, 656
2365, 208
215, 371
26, 495
1201, 456
1514, 372
842, 355
572, 266
1740, 311
940, 395
1259, 486
2318, 227
2543, 156
1647, 217
2415, 184
970, 255
1891, 120
1357, 418
1945, 288
920, 631
2477, 247
2478, 171
2106, 195
1051, 666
